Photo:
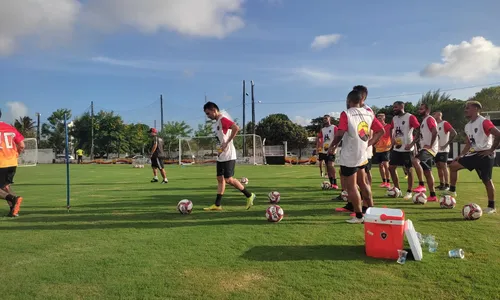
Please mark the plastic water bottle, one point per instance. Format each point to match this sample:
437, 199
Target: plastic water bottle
433, 245
402, 257
456, 253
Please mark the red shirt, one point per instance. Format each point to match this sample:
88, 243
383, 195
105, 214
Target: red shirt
487, 125
9, 139
447, 126
226, 124
431, 123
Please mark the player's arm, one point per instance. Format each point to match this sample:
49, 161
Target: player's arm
416, 126
19, 141
228, 124
431, 123
491, 129
465, 150
318, 139
155, 145
453, 134
378, 131
339, 134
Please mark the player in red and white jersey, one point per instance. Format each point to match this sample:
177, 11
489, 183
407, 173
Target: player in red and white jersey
319, 142
364, 93
354, 130
483, 138
11, 145
225, 131
327, 133
446, 135
429, 147
403, 124
382, 149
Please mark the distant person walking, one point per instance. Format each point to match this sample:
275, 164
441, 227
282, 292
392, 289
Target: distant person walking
79, 154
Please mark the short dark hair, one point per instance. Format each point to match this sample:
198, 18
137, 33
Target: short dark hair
399, 103
210, 105
476, 104
381, 113
354, 96
327, 116
361, 88
426, 106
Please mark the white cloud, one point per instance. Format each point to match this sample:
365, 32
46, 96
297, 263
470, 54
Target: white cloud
15, 110
51, 21
466, 61
302, 121
200, 18
324, 41
334, 114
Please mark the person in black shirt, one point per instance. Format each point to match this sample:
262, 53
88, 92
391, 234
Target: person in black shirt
157, 156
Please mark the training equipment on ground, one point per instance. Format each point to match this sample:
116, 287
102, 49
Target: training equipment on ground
274, 213
185, 206
472, 211
447, 201
203, 150
244, 180
393, 192
29, 157
326, 185
419, 198
274, 197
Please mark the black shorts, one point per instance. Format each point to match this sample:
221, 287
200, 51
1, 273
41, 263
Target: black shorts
482, 165
326, 157
226, 168
381, 156
401, 159
426, 159
157, 163
368, 166
349, 171
7, 176
441, 157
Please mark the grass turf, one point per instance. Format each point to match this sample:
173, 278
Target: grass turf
123, 238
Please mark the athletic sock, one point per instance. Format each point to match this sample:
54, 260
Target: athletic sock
364, 209
359, 215
408, 191
331, 180
453, 188
10, 197
218, 200
491, 203
156, 177
246, 193
421, 183
441, 184
433, 194
446, 185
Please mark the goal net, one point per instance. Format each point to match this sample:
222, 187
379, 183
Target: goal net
29, 157
203, 150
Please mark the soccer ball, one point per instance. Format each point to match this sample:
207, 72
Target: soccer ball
326, 185
393, 192
274, 213
472, 211
447, 201
274, 197
344, 195
419, 198
185, 206
244, 180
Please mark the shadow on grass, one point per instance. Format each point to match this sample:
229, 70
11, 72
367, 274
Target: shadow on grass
443, 220
317, 252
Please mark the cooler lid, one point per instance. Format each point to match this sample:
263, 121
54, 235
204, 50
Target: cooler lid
384, 214
411, 236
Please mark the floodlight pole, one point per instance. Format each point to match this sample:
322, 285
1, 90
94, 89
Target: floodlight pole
38, 126
68, 206
244, 106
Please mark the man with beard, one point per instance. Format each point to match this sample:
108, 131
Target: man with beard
446, 135
326, 134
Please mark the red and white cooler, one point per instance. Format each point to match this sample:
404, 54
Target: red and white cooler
384, 232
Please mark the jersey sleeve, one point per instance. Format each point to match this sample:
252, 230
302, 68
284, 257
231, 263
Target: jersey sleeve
320, 134
343, 124
447, 127
414, 122
376, 126
19, 137
391, 126
487, 125
431, 123
226, 123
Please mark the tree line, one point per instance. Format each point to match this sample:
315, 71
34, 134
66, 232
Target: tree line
113, 135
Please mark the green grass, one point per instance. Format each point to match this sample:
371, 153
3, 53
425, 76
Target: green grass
124, 239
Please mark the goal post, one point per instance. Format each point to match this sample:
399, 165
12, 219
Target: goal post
29, 157
203, 150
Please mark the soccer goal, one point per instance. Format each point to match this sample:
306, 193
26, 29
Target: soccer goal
29, 157
203, 150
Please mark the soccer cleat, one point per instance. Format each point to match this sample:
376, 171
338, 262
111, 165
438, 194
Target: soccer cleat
334, 187
355, 220
432, 199
16, 205
408, 196
250, 201
420, 189
449, 193
154, 180
164, 181
347, 208
440, 187
213, 207
489, 210
383, 185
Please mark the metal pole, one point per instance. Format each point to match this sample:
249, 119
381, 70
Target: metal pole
253, 108
161, 107
244, 106
180, 151
91, 130
154, 124
67, 163
38, 126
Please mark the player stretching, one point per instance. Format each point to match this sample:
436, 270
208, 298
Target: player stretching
225, 131
382, 148
355, 126
479, 152
327, 134
11, 145
402, 126
429, 147
157, 156
446, 134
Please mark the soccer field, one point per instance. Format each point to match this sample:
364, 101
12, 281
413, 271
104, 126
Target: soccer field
123, 238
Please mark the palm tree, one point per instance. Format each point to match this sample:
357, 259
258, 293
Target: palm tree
26, 126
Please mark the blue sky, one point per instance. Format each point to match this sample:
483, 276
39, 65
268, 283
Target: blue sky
123, 55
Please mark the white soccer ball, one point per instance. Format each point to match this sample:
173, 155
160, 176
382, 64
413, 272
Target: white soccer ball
274, 197
244, 180
447, 201
419, 198
393, 192
135, 166
472, 211
185, 206
344, 195
326, 185
274, 213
